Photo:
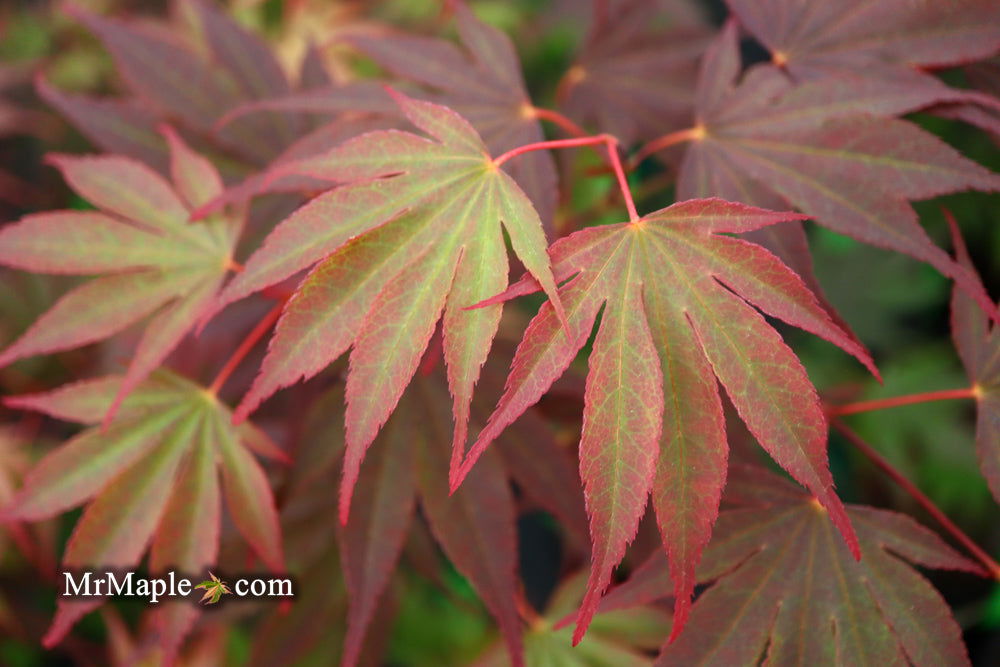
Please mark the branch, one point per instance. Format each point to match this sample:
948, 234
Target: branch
612, 146
244, 348
895, 401
556, 118
680, 136
880, 462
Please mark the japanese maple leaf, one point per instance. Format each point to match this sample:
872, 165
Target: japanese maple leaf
485, 86
149, 478
408, 464
635, 72
670, 325
483, 83
978, 345
828, 149
215, 588
200, 85
871, 38
786, 588
154, 261
417, 231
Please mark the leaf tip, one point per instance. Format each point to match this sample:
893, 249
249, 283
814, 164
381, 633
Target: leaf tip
682, 609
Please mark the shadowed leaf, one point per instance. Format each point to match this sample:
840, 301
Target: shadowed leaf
978, 345
779, 568
828, 149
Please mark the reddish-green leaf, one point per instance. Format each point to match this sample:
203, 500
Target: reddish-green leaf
821, 148
187, 538
786, 587
666, 284
159, 459
978, 345
484, 85
158, 262
423, 237
117, 526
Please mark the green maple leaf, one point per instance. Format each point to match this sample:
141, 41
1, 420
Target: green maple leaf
155, 479
149, 259
677, 298
215, 588
416, 234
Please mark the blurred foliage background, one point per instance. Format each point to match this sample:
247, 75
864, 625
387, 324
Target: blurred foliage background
897, 306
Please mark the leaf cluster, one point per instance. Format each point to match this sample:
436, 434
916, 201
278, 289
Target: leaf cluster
364, 211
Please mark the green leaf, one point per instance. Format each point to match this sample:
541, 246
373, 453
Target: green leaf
652, 418
157, 262
414, 233
153, 478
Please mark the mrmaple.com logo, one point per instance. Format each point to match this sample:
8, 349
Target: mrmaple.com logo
86, 584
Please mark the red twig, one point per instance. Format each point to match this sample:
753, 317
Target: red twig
609, 141
666, 141
558, 119
882, 403
244, 348
991, 565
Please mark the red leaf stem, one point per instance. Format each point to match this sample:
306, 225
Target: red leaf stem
244, 348
880, 462
895, 401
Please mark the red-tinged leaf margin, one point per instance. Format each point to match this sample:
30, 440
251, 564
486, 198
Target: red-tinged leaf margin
572, 254
116, 528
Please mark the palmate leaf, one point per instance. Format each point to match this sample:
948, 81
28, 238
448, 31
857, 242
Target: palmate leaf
416, 231
978, 345
871, 38
788, 591
881, 43
201, 85
828, 149
483, 84
151, 479
156, 262
408, 464
215, 588
653, 420
634, 75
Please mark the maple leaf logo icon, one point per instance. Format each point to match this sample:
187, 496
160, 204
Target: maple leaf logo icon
214, 589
